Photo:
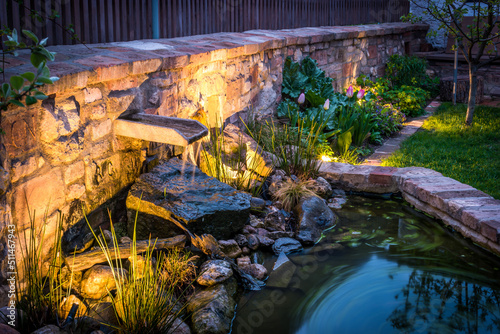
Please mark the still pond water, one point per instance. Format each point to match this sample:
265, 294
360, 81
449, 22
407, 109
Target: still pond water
384, 268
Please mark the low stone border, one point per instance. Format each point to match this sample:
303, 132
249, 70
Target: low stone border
471, 212
393, 144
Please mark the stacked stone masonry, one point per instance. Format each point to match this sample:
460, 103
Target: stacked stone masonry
467, 210
62, 153
62, 156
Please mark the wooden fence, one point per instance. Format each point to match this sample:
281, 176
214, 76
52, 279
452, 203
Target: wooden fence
97, 21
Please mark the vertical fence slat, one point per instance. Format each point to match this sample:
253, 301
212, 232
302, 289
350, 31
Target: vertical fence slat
97, 21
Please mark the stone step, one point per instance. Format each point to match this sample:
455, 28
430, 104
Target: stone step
160, 129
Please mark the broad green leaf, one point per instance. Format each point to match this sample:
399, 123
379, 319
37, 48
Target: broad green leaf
16, 82
30, 100
45, 71
28, 76
344, 141
16, 102
37, 59
6, 89
44, 80
40, 96
31, 35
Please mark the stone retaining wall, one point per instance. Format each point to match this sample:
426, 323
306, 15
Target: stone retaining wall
62, 155
467, 210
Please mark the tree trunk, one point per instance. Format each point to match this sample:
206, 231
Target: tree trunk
472, 94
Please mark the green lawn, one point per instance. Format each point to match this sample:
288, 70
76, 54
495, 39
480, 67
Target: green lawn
470, 155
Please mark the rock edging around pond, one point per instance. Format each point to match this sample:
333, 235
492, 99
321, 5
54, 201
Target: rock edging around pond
473, 213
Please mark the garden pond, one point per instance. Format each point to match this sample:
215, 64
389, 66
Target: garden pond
384, 268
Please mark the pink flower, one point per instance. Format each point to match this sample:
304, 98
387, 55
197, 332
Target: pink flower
326, 106
350, 91
302, 98
361, 93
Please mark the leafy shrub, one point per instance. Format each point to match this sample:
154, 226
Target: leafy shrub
409, 100
305, 92
387, 120
411, 71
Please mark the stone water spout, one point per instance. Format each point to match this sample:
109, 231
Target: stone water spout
160, 129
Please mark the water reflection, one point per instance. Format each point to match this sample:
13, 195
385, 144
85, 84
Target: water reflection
445, 305
385, 269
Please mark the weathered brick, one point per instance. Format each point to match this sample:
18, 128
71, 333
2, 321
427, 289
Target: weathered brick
455, 206
321, 57
382, 175
474, 216
234, 88
347, 70
25, 167
59, 119
169, 102
491, 230
125, 83
98, 112
106, 68
20, 133
411, 185
74, 172
40, 194
75, 191
358, 175
407, 173
101, 129
71, 76
92, 94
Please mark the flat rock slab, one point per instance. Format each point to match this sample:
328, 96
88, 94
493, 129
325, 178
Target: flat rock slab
180, 190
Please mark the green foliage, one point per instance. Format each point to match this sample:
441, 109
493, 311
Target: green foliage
25, 85
469, 154
306, 78
344, 140
387, 120
358, 121
411, 18
410, 100
411, 71
231, 169
296, 148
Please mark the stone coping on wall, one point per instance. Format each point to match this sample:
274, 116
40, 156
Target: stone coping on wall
80, 65
473, 213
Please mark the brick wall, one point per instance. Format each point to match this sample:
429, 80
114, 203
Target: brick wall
62, 154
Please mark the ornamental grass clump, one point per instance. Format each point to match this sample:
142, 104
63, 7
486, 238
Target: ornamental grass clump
145, 301
38, 292
237, 168
290, 193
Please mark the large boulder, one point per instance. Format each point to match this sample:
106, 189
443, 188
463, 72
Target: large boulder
314, 216
286, 245
98, 280
212, 310
180, 190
